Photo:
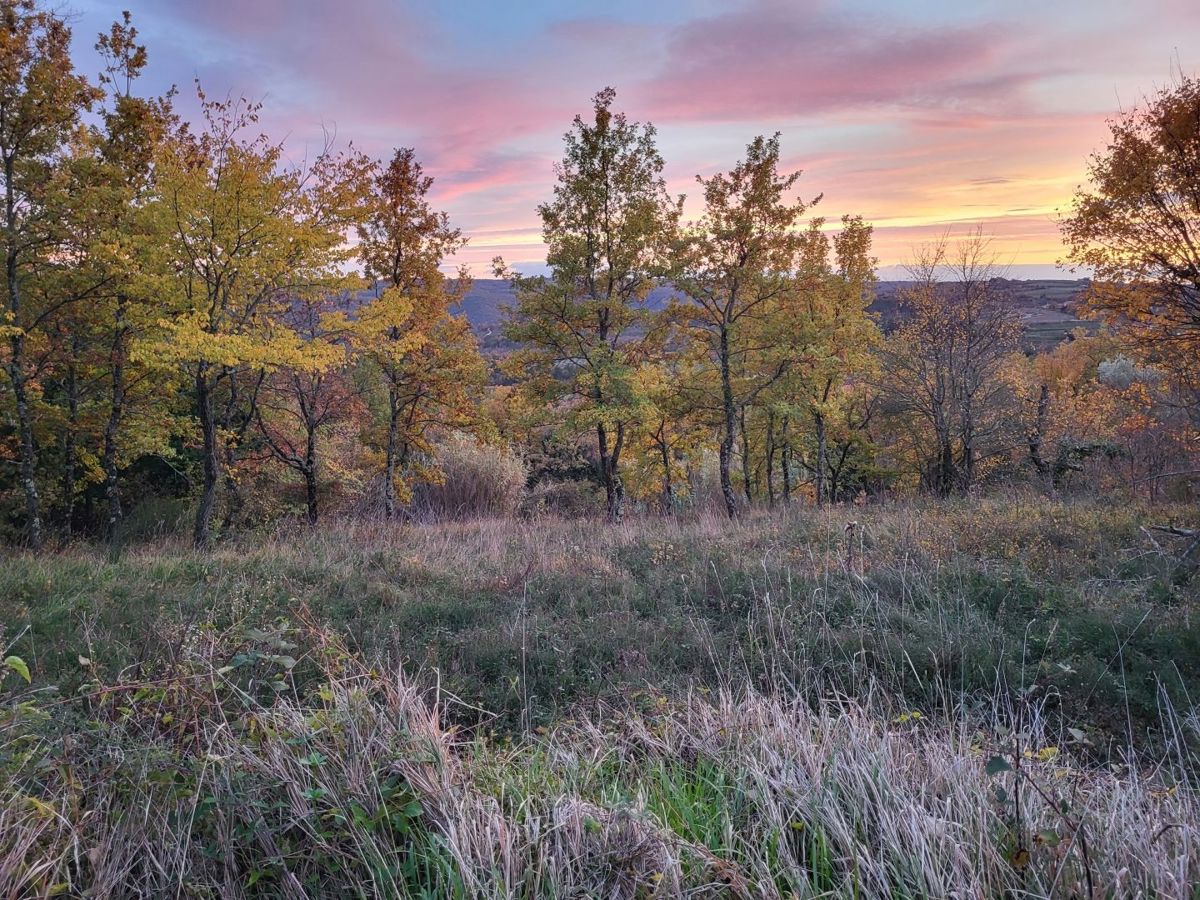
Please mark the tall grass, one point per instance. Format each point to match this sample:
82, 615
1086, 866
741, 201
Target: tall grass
474, 481
969, 699
210, 782
528, 619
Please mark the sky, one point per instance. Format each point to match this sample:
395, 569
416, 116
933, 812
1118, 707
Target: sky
920, 115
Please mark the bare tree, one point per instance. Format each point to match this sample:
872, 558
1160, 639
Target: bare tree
942, 367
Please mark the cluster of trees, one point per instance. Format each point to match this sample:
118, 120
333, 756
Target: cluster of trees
190, 316
770, 364
181, 309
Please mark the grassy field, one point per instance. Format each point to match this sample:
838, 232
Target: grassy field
988, 698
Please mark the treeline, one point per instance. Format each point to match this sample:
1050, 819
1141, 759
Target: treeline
193, 322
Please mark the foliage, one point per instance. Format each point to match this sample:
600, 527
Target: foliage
427, 357
585, 331
1137, 226
735, 265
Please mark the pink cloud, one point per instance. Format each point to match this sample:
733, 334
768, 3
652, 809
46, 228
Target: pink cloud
904, 119
772, 60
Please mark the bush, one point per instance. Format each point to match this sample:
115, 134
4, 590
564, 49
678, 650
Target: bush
477, 481
155, 517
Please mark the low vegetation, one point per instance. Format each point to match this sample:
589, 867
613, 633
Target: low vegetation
857, 702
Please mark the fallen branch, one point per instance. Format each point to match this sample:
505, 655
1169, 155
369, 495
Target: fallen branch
1178, 532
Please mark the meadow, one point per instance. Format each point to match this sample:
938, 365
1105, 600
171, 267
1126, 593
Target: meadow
975, 698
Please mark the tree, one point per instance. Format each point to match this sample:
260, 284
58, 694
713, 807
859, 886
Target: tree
243, 237
585, 329
428, 358
822, 324
41, 101
672, 431
733, 265
1137, 227
120, 246
943, 367
297, 405
1067, 414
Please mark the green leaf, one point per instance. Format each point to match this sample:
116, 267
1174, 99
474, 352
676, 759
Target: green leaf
1049, 837
996, 765
18, 665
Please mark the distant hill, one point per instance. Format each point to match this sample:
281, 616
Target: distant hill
1047, 306
485, 301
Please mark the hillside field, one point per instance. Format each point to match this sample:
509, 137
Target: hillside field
915, 700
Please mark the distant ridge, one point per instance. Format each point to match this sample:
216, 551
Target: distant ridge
1047, 305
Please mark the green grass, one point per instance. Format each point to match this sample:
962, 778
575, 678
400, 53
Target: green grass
206, 782
527, 621
564, 708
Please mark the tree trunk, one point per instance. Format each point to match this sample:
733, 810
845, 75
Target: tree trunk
610, 475
1037, 434
211, 468
618, 481
310, 495
725, 456
234, 423
667, 498
116, 410
785, 462
747, 488
389, 471
946, 469
613, 489
943, 473
310, 473
822, 459
770, 463
966, 473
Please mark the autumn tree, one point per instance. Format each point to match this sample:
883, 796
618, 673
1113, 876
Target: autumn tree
942, 368
585, 329
42, 98
427, 357
1136, 225
733, 265
243, 235
117, 250
298, 405
1067, 413
673, 431
822, 325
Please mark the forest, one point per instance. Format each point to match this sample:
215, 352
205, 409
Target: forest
743, 592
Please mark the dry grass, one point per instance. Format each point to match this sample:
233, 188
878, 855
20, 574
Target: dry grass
561, 708
474, 481
196, 785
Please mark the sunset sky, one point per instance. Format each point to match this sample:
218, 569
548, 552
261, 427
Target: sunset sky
918, 114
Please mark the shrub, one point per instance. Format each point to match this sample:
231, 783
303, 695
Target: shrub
476, 481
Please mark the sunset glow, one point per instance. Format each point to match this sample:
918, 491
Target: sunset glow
919, 115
